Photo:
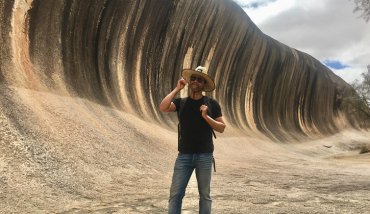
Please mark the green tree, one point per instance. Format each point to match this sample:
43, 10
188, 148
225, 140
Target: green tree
360, 101
363, 88
363, 6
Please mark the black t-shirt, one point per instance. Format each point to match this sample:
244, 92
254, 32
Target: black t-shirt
196, 133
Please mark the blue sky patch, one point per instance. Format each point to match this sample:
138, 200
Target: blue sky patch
335, 64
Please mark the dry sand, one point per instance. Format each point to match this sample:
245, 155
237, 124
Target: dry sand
61, 154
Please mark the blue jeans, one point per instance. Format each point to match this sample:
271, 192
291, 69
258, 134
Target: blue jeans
184, 167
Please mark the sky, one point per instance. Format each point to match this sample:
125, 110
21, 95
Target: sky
328, 30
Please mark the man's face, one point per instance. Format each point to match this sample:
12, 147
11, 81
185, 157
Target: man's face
197, 83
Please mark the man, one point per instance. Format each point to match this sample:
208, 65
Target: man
198, 117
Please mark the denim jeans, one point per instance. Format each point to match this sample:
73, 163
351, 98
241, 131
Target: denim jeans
184, 167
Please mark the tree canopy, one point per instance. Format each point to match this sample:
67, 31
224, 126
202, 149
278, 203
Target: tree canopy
363, 88
363, 6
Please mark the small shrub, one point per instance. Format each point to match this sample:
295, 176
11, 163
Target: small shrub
364, 149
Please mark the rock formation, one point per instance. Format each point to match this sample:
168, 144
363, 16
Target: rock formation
80, 84
129, 54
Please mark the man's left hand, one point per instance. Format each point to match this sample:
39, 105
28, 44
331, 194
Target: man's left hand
204, 110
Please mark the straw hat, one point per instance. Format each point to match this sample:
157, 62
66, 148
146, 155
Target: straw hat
209, 85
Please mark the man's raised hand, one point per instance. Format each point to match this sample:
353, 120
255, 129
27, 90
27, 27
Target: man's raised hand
181, 84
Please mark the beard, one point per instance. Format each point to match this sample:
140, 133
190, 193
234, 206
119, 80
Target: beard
196, 87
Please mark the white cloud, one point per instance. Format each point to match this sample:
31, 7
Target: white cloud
325, 29
266, 10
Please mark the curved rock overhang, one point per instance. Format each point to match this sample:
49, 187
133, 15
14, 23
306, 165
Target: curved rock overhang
129, 55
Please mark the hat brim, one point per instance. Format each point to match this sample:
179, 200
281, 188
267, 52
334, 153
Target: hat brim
208, 86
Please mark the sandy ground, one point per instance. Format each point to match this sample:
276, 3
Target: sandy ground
69, 155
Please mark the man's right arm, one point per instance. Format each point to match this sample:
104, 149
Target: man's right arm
167, 105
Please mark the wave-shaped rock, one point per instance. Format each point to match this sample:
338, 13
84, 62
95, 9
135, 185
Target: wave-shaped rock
80, 129
129, 54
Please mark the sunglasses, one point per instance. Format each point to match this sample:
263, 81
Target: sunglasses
198, 79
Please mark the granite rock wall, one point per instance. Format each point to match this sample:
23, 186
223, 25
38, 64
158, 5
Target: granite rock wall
128, 54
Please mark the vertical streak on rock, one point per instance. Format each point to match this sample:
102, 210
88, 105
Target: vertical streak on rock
122, 73
5, 38
45, 48
23, 73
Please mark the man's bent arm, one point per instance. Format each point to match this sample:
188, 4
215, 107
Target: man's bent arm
166, 104
217, 124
